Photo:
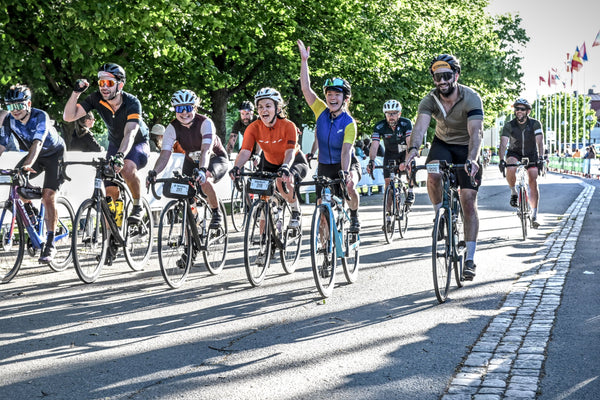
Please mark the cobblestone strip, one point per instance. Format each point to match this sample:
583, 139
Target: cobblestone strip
506, 361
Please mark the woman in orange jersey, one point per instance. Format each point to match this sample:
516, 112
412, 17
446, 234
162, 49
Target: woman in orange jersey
277, 137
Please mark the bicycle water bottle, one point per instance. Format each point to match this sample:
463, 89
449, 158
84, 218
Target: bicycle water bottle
111, 206
119, 212
327, 195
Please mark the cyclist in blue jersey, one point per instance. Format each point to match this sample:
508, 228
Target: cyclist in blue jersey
35, 133
128, 138
335, 133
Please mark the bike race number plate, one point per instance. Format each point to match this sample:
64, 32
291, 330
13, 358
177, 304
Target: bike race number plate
98, 183
259, 184
433, 168
178, 188
5, 179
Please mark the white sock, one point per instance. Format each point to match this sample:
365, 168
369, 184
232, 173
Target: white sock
471, 246
513, 190
295, 206
436, 207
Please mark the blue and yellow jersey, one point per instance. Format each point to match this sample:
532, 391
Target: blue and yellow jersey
331, 134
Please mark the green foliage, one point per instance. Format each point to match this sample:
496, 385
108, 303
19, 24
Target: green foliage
226, 50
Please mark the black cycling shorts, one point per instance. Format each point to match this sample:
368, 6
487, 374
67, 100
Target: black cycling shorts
455, 154
217, 166
533, 158
398, 157
49, 165
299, 167
332, 171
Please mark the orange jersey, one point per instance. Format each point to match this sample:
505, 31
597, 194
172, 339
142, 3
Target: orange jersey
274, 141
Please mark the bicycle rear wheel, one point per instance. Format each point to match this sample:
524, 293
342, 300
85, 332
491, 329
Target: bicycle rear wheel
351, 260
389, 213
90, 241
460, 248
322, 251
139, 238
63, 236
12, 244
216, 246
441, 255
524, 215
238, 208
291, 239
174, 244
257, 243
402, 211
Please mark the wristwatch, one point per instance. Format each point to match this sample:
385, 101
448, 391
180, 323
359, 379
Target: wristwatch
413, 147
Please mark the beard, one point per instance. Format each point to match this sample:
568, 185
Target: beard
448, 92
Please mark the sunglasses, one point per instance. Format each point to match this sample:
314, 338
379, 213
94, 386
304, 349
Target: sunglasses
438, 76
106, 82
520, 109
333, 82
16, 106
186, 108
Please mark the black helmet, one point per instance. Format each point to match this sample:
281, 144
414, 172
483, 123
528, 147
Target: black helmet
338, 84
445, 60
114, 69
17, 94
522, 102
246, 105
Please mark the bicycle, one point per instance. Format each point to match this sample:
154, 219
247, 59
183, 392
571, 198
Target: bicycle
101, 226
395, 207
448, 250
522, 187
183, 230
240, 204
267, 229
22, 226
330, 239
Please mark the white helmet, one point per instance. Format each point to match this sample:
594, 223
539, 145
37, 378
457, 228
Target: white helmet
268, 93
184, 96
392, 105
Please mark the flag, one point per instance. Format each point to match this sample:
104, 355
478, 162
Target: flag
568, 63
597, 40
576, 61
583, 53
542, 80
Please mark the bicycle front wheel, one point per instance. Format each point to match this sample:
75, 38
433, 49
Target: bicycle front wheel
402, 212
238, 208
389, 213
12, 244
351, 260
174, 244
291, 239
257, 243
216, 245
441, 255
63, 236
90, 241
322, 251
523, 210
139, 238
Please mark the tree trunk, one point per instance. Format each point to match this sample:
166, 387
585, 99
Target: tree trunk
219, 99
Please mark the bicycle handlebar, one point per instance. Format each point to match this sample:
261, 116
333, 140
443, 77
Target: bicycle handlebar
444, 167
265, 174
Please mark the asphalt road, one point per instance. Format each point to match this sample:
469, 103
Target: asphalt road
128, 336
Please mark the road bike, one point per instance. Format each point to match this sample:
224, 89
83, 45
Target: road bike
240, 204
448, 247
268, 229
330, 239
23, 227
522, 188
184, 230
395, 207
101, 226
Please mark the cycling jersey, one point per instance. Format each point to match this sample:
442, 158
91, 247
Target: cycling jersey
38, 127
522, 137
129, 111
202, 130
451, 126
331, 134
394, 140
274, 141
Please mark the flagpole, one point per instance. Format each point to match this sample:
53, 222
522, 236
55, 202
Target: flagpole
547, 126
577, 119
571, 120
564, 122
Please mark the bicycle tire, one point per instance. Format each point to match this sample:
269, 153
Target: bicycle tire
139, 238
441, 256
90, 241
238, 208
402, 211
291, 239
323, 261
389, 216
351, 260
216, 246
174, 244
523, 210
12, 245
257, 245
63, 237
461, 251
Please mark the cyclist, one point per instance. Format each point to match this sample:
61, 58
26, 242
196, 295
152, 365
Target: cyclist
196, 133
335, 133
247, 116
127, 133
35, 132
525, 139
277, 137
458, 111
395, 131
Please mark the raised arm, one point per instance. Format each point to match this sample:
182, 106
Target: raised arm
309, 95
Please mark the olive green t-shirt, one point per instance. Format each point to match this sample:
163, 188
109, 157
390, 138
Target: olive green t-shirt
452, 127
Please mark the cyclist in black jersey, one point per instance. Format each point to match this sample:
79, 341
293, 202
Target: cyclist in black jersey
395, 132
525, 139
128, 136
